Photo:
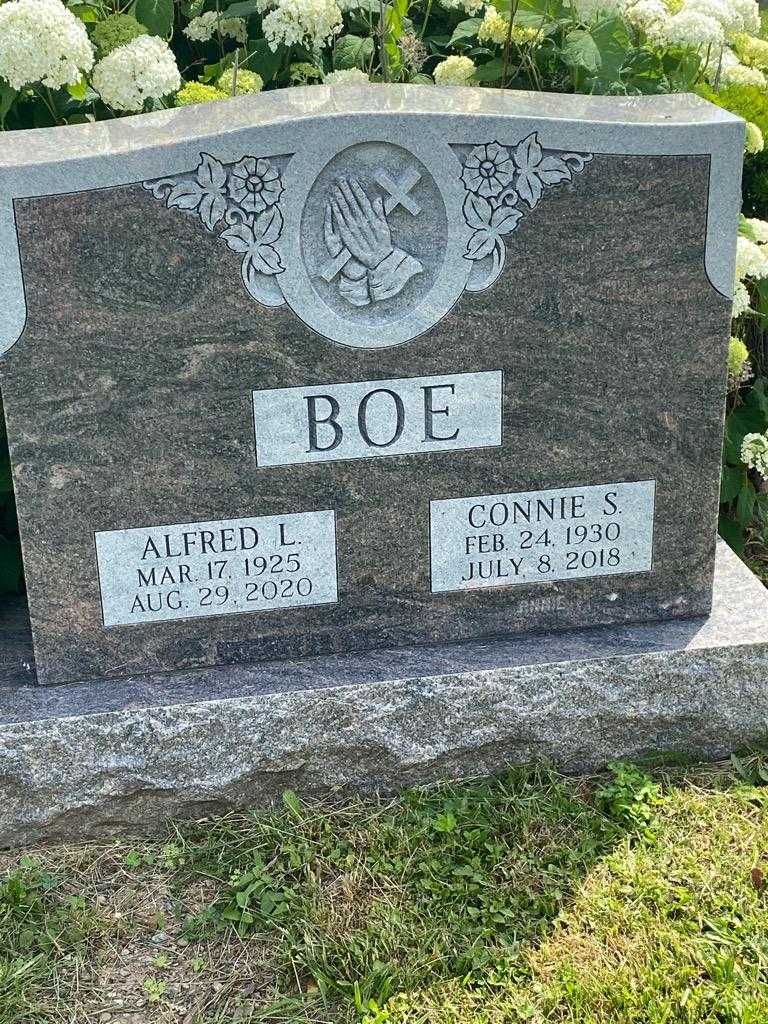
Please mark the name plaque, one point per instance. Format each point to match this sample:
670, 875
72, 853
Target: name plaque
500, 540
370, 418
224, 567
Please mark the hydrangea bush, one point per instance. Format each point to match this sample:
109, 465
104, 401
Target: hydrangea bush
71, 61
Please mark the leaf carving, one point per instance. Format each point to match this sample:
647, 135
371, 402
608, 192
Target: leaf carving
505, 219
186, 195
552, 169
537, 170
477, 211
480, 244
211, 209
269, 225
211, 173
239, 237
267, 260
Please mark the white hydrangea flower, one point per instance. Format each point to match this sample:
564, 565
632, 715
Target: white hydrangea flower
493, 28
348, 76
312, 23
721, 11
649, 16
467, 6
202, 28
751, 259
721, 59
740, 300
740, 74
692, 28
143, 69
754, 453
749, 11
753, 140
751, 50
244, 83
41, 41
454, 71
759, 229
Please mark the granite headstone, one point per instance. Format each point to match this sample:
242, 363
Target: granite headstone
335, 369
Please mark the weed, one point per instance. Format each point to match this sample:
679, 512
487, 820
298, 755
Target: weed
751, 766
631, 797
39, 922
36, 915
155, 989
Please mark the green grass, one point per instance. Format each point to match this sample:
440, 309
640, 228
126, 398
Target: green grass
629, 898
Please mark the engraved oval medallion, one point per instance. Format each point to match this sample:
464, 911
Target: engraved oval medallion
377, 228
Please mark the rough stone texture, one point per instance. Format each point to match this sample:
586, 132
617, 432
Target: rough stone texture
85, 760
128, 404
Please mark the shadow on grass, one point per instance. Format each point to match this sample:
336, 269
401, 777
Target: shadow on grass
454, 882
634, 898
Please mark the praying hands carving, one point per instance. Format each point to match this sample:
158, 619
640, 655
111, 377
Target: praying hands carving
359, 241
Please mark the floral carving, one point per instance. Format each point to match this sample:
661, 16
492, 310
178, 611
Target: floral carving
254, 184
240, 203
501, 181
245, 196
488, 170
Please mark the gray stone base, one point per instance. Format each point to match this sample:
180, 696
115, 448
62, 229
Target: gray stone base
121, 755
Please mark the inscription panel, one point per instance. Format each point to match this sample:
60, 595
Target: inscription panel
500, 540
224, 567
368, 419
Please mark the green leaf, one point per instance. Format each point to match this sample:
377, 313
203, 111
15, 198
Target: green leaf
242, 9
746, 229
581, 51
756, 396
731, 483
745, 504
7, 96
157, 15
85, 13
352, 52
613, 44
530, 19
395, 17
465, 31
211, 72
79, 90
490, 72
732, 534
731, 451
761, 287
292, 802
263, 60
745, 420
